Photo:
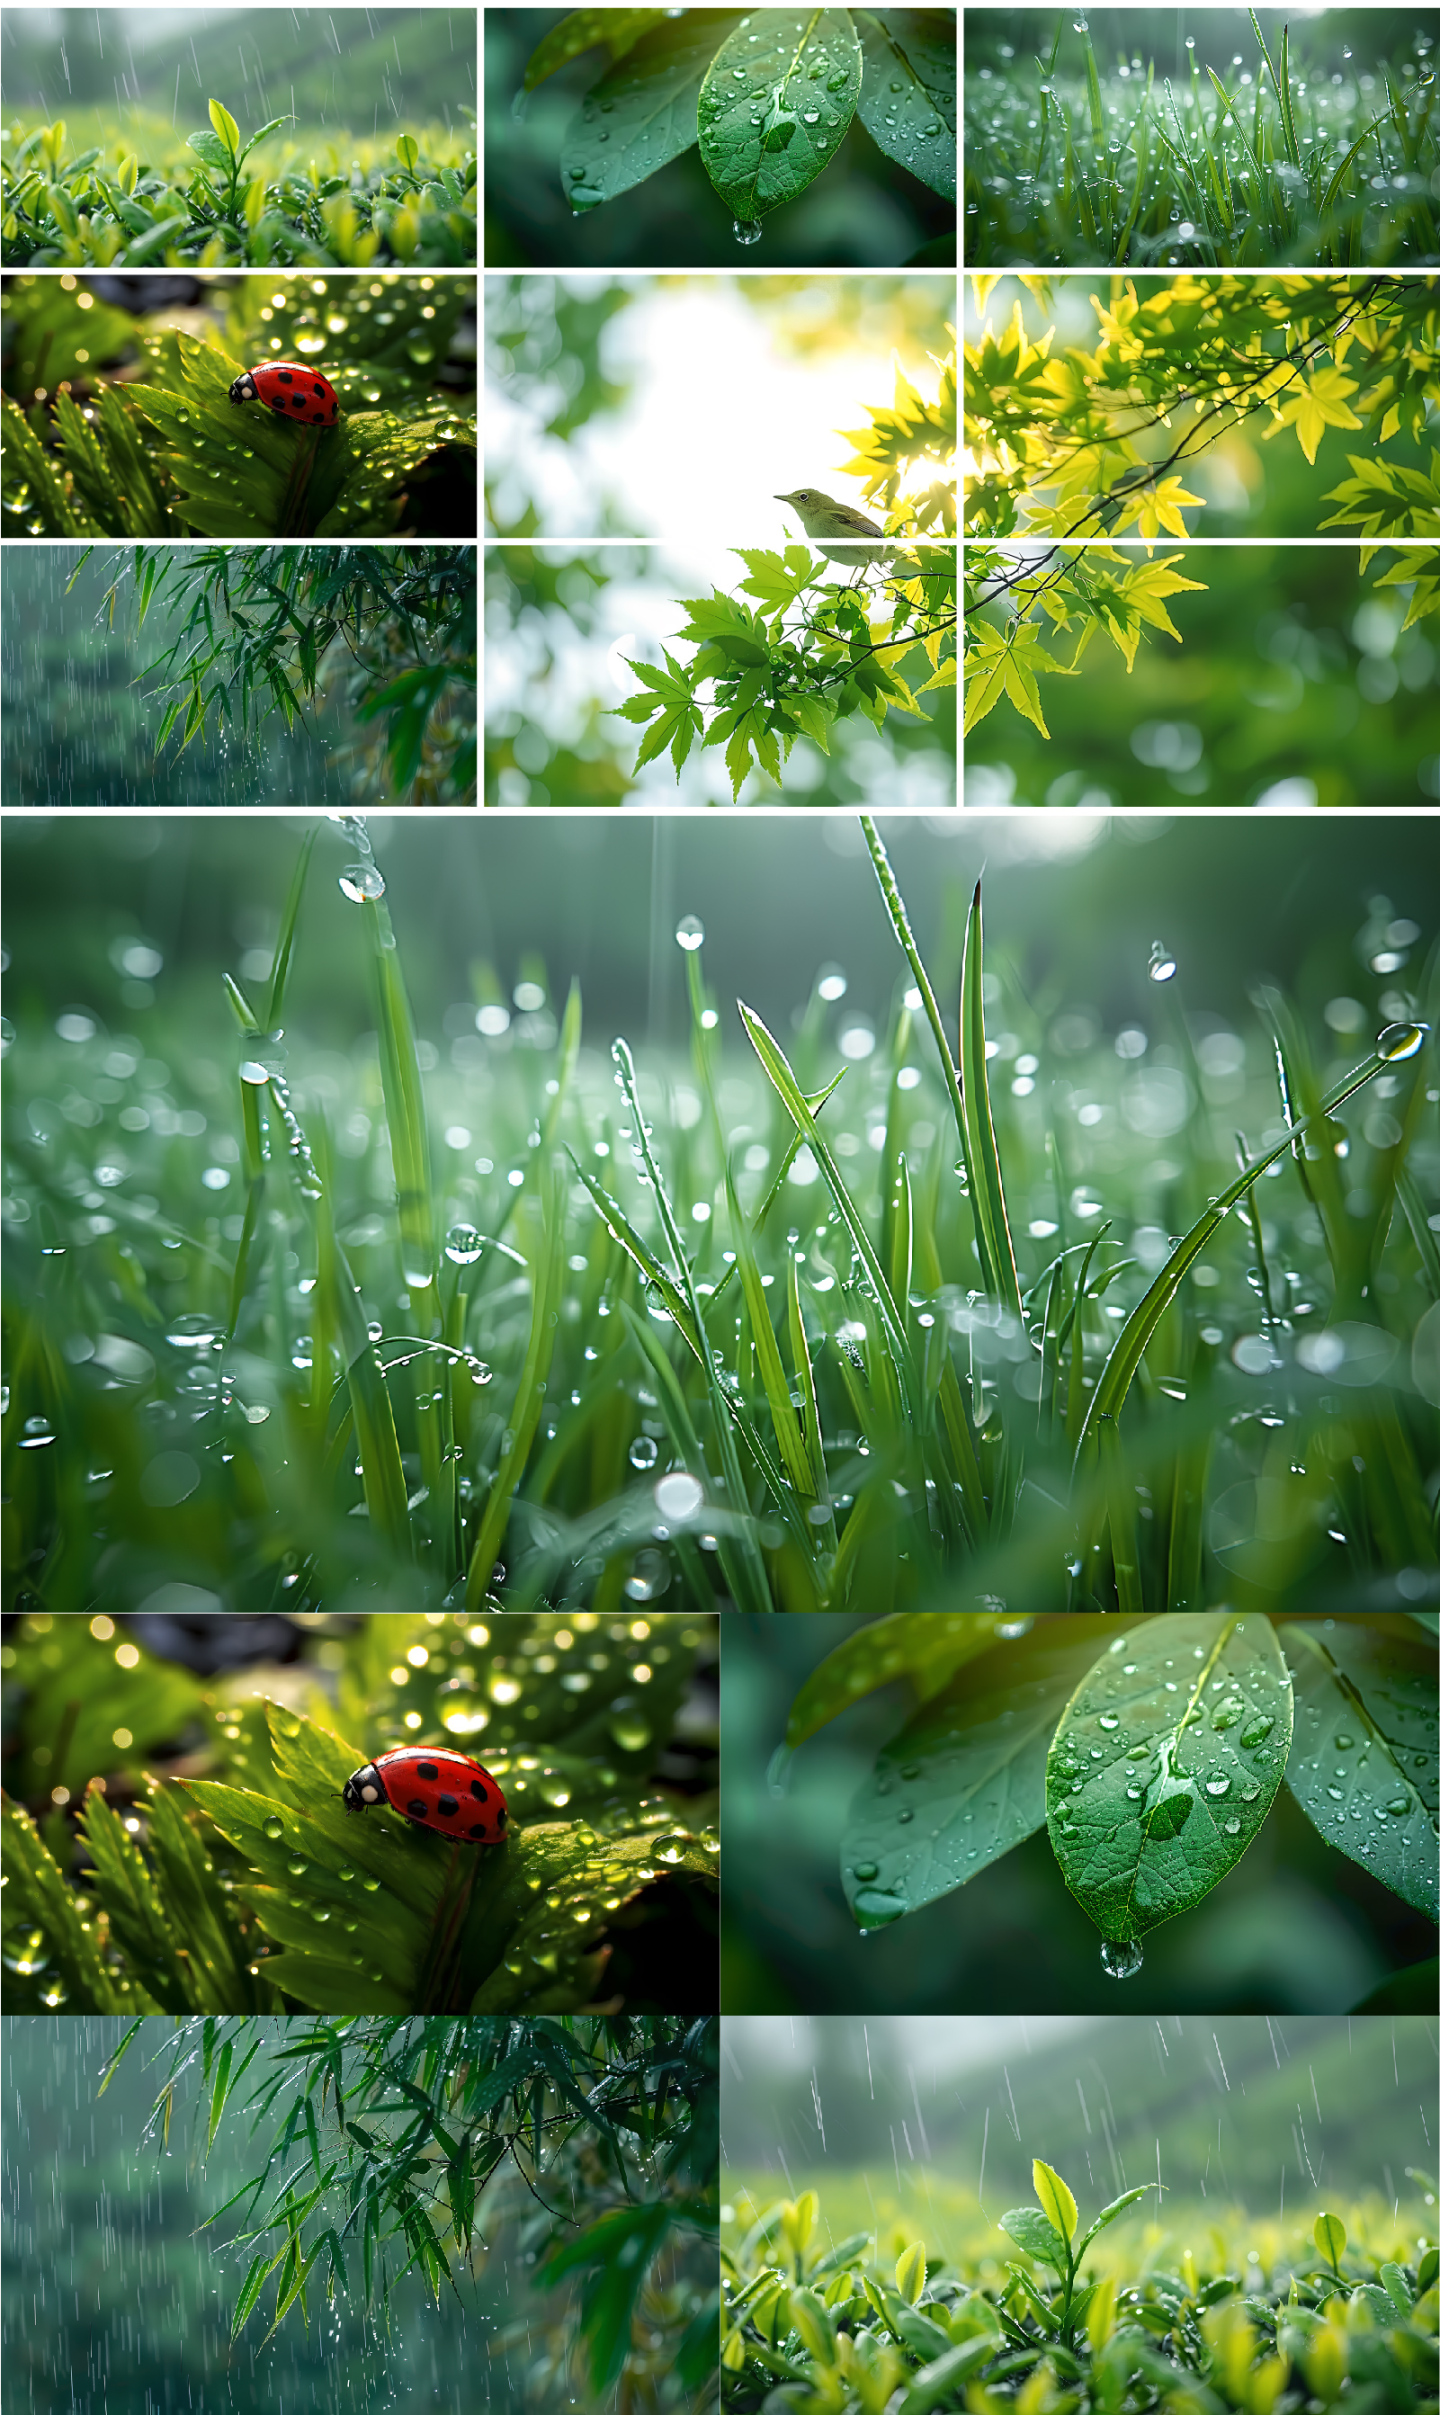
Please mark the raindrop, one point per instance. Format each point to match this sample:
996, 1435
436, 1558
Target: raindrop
1399, 1040
643, 1452
37, 1431
1217, 1786
1108, 1720
746, 230
360, 882
1232, 1827
1257, 1731
689, 933
678, 1495
192, 1333
463, 1245
1162, 963
875, 1909
1121, 1961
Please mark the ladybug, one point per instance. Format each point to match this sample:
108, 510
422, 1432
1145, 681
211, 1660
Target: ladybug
435, 1789
291, 391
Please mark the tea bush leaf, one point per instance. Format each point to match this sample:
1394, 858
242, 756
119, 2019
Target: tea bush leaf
772, 111
1033, 2231
964, 1779
1363, 1769
1167, 1759
1055, 2200
907, 98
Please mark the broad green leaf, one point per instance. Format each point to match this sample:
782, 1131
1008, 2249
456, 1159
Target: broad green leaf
910, 2273
212, 150
964, 1780
642, 114
1330, 2238
617, 28
925, 1646
1165, 1764
1055, 2198
774, 108
1110, 2213
907, 98
1363, 1769
937, 2385
1030, 2229
225, 126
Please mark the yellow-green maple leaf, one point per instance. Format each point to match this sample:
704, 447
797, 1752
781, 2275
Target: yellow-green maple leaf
1319, 406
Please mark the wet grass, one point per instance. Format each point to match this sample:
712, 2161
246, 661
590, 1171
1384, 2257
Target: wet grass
1279, 152
525, 1324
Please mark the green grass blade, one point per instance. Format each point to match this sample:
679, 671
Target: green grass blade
639, 1251
767, 1350
529, 1398
285, 944
1124, 1535
987, 1193
404, 1102
1135, 1334
776, 1065
383, 1476
804, 1369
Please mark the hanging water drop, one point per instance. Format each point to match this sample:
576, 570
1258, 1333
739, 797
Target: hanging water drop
1162, 963
1121, 1960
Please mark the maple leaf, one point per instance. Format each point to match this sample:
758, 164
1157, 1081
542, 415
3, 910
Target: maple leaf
1319, 406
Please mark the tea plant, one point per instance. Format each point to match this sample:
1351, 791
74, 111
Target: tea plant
1070, 443
1153, 1758
171, 455
593, 2140
254, 1889
806, 652
148, 198
767, 97
1296, 155
839, 2330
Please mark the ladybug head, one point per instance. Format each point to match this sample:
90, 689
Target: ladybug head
363, 1788
243, 390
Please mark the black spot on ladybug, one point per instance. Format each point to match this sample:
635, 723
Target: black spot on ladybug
284, 377
318, 389
426, 1769
479, 1791
418, 1808
447, 1805
478, 1832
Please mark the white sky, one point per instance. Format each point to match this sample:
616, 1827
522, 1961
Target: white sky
720, 419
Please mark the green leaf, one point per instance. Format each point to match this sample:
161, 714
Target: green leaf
583, 29
919, 1645
937, 2383
1364, 1768
1055, 2198
225, 126
1111, 2213
910, 2273
1165, 1764
210, 148
970, 1765
38, 1893
907, 98
642, 114
982, 1157
1330, 2238
774, 111
1030, 2229
615, 2252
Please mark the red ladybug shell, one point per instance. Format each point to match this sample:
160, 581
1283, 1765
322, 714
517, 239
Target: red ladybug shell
436, 1789
291, 390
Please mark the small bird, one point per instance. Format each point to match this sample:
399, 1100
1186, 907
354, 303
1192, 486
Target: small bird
824, 520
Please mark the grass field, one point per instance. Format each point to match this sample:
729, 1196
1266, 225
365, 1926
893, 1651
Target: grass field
1184, 147
623, 1324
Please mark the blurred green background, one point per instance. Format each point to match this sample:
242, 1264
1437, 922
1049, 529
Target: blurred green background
115, 2296
1254, 480
134, 919
94, 66
1295, 1926
1318, 40
682, 406
1295, 2112
863, 212
1293, 686
562, 626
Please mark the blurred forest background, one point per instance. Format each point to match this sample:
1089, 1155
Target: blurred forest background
1239, 2111
1295, 1925
1294, 686
114, 2295
1252, 482
94, 66
863, 212
136, 918
680, 406
561, 628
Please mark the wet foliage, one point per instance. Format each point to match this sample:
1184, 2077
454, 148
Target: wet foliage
1311, 145
159, 449
253, 1887
962, 1340
840, 2329
1152, 1757
443, 2185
